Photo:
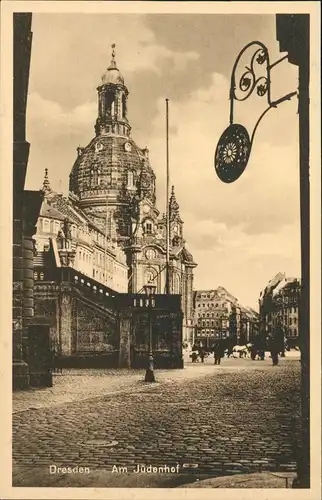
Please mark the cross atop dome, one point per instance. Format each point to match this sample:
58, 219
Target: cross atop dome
112, 74
113, 62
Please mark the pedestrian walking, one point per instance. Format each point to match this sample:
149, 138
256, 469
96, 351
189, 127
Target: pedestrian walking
274, 349
202, 354
253, 352
218, 353
194, 354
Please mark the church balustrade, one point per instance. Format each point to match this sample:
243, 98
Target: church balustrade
89, 287
171, 303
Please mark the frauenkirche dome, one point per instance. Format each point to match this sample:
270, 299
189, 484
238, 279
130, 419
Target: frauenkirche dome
111, 163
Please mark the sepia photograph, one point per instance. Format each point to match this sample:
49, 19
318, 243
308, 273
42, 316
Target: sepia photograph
163, 304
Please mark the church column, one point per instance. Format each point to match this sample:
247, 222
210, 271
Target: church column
65, 319
132, 262
113, 233
171, 278
125, 322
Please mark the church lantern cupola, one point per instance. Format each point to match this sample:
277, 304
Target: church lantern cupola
112, 102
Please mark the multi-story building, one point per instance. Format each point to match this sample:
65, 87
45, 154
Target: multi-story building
279, 307
93, 253
212, 313
219, 315
26, 207
248, 324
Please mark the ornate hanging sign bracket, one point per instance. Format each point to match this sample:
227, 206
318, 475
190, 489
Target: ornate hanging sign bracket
235, 144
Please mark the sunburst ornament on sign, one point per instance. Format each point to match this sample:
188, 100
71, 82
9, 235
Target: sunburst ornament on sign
232, 153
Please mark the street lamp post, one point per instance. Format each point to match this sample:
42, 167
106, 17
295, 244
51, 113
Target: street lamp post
150, 292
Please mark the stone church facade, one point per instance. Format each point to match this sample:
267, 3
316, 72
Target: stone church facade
113, 183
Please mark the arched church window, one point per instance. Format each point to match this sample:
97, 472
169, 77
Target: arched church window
150, 253
95, 176
177, 284
130, 179
109, 103
114, 179
124, 110
149, 276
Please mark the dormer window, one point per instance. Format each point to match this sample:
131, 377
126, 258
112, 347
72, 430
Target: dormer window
148, 227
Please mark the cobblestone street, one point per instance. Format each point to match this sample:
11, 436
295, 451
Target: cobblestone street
210, 420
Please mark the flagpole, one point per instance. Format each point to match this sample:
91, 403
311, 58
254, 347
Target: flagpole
105, 246
167, 199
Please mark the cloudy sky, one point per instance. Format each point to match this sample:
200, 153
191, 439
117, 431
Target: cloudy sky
240, 234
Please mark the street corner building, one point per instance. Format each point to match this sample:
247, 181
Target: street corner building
218, 315
279, 308
96, 249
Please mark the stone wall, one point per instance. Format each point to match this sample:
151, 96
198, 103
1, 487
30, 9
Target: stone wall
79, 327
88, 330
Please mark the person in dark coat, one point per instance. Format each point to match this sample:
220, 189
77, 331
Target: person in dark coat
274, 348
218, 353
202, 353
261, 347
253, 351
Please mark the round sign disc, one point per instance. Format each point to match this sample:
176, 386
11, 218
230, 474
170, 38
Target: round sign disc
232, 153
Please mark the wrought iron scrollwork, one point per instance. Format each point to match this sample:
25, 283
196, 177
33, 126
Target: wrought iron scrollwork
234, 146
249, 81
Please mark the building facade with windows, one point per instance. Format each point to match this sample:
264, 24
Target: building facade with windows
114, 185
279, 307
212, 316
94, 254
218, 315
